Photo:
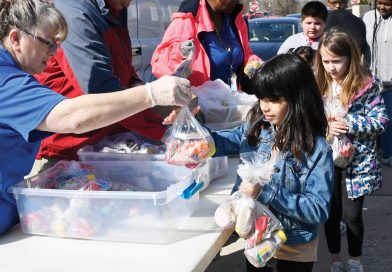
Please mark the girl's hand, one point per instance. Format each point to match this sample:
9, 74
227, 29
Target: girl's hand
249, 189
337, 125
169, 120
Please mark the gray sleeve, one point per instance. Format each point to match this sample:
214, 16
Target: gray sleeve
85, 49
284, 48
291, 42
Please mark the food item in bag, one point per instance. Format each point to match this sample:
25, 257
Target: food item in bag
261, 227
190, 152
225, 216
246, 215
343, 151
187, 142
226, 213
259, 255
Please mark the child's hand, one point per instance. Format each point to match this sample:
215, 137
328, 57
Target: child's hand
337, 125
249, 189
169, 120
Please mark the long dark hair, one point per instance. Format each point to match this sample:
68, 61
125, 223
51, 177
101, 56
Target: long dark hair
290, 77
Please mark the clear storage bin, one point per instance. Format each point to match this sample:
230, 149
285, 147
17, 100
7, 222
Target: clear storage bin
214, 168
151, 213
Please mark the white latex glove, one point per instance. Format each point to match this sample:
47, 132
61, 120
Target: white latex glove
187, 48
170, 90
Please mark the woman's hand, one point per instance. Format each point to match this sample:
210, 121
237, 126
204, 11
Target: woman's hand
169, 90
249, 189
169, 120
337, 125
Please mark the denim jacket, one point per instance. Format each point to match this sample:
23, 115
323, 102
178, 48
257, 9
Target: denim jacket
299, 193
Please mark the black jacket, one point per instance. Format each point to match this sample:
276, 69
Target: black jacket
353, 25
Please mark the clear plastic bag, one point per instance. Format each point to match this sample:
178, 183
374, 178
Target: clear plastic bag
256, 167
251, 219
260, 254
265, 222
222, 108
187, 142
342, 148
184, 69
343, 151
240, 210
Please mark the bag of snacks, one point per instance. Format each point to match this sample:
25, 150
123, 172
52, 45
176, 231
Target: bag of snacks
187, 142
251, 219
343, 151
342, 148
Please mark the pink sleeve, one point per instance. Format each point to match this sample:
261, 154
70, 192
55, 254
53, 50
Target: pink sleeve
167, 55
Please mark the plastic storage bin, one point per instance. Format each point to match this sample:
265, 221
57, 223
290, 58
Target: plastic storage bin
214, 168
86, 155
150, 214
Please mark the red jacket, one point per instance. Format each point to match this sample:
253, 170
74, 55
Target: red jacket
95, 58
193, 18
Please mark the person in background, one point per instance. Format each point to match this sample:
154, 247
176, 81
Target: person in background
313, 17
379, 35
337, 4
96, 57
216, 33
344, 19
30, 33
341, 75
287, 123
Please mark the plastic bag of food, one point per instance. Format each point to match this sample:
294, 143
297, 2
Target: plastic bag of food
187, 142
342, 148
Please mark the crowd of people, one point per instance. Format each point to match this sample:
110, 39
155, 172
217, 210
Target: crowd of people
67, 80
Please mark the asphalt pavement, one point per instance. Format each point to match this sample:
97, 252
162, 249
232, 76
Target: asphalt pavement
377, 246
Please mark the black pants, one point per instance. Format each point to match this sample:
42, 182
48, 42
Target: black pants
282, 266
351, 212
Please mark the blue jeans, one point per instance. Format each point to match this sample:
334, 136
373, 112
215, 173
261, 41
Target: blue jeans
386, 137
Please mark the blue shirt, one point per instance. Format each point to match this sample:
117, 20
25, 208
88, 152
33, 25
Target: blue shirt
24, 104
224, 51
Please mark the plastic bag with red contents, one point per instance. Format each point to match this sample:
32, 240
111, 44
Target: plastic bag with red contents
243, 212
342, 148
187, 142
342, 151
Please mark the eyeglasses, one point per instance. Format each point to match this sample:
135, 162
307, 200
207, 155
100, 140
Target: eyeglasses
51, 45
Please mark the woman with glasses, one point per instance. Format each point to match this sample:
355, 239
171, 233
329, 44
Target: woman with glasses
30, 33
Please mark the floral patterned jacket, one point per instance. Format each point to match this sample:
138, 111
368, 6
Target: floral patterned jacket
367, 118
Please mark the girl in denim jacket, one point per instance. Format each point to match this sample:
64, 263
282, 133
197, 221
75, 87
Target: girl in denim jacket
341, 75
288, 121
